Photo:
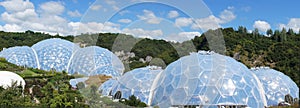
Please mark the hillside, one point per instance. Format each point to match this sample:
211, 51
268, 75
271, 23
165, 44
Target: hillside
279, 50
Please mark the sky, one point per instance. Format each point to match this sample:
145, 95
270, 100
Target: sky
170, 20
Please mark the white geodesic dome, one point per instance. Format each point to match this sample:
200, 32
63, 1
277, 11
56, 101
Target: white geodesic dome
276, 85
8, 78
22, 56
207, 79
95, 60
54, 53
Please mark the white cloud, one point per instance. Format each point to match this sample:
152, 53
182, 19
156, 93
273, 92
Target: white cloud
96, 7
124, 12
139, 32
189, 35
227, 15
294, 23
94, 27
149, 17
16, 5
115, 7
52, 8
182, 36
113, 4
210, 22
124, 21
75, 13
48, 20
173, 14
262, 26
183, 22
19, 17
11, 28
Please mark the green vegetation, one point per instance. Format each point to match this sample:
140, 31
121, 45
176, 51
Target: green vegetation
42, 89
133, 101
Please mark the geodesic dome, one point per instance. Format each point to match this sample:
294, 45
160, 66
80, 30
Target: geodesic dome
21, 56
106, 87
95, 60
54, 53
207, 79
136, 82
276, 85
8, 78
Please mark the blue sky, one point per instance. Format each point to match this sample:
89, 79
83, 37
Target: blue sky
160, 19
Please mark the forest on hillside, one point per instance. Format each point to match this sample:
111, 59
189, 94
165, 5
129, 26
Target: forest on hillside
278, 49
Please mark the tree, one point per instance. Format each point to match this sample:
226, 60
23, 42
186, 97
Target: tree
283, 35
242, 30
80, 85
270, 32
291, 32
133, 101
276, 36
255, 33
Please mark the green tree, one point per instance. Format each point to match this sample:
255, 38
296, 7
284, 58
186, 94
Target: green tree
283, 35
80, 85
291, 32
133, 101
276, 36
269, 32
255, 33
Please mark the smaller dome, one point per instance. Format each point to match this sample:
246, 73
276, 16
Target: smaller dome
137, 82
21, 56
95, 60
276, 85
8, 78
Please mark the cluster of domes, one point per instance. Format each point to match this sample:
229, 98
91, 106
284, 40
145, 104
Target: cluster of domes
200, 79
62, 55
